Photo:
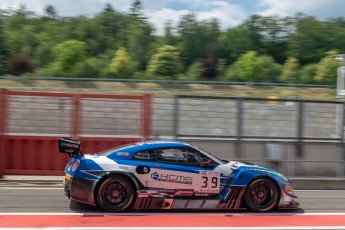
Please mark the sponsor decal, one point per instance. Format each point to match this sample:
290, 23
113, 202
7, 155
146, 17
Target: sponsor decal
155, 176
122, 154
75, 165
172, 178
201, 194
70, 145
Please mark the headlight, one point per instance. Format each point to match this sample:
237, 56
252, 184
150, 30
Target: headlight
288, 189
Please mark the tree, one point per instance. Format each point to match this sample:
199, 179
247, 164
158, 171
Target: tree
19, 64
234, 42
51, 12
250, 67
307, 74
138, 42
164, 64
290, 70
69, 53
210, 66
326, 72
311, 40
136, 10
169, 38
121, 65
194, 71
3, 51
108, 8
196, 39
271, 69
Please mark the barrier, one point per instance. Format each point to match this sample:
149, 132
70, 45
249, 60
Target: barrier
31, 123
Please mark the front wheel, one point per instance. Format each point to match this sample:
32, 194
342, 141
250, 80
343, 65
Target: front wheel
115, 194
261, 195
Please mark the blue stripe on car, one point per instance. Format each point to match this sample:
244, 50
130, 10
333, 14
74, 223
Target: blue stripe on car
158, 165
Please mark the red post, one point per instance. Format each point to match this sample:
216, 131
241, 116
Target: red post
146, 116
76, 117
3, 129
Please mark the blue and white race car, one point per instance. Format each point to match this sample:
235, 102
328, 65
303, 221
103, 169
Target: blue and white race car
170, 175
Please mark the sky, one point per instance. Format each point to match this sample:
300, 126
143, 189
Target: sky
229, 12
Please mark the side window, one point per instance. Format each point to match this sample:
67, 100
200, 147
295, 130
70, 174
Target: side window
201, 157
170, 155
147, 155
178, 156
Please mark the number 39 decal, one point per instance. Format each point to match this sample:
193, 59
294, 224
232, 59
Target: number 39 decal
214, 182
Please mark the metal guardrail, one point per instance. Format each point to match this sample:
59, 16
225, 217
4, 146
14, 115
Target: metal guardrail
259, 119
168, 81
31, 122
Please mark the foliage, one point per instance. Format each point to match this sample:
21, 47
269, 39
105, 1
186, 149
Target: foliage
69, 53
307, 74
121, 65
19, 64
194, 71
290, 70
84, 46
250, 67
164, 64
326, 72
197, 39
271, 69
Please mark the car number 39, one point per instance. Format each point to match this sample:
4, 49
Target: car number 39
213, 183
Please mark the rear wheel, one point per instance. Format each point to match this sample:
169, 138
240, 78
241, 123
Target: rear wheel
116, 194
261, 195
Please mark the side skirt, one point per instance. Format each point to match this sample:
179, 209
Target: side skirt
164, 201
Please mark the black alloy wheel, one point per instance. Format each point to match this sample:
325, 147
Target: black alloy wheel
116, 194
261, 195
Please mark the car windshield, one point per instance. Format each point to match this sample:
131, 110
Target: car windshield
209, 155
109, 151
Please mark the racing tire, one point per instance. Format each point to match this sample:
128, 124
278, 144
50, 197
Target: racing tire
261, 195
115, 194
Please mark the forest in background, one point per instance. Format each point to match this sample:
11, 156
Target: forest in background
113, 44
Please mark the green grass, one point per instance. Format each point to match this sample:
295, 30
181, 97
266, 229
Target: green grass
169, 89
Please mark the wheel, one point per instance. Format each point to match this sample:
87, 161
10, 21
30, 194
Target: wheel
261, 195
116, 194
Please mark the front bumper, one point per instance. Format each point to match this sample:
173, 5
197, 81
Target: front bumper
287, 200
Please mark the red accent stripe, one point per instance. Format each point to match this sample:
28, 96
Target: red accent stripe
33, 221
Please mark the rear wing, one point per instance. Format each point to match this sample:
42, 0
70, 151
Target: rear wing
69, 146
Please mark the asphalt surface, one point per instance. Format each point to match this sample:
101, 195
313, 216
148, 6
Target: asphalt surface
48, 197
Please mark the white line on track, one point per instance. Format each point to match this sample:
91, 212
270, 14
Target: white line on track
158, 214
30, 188
183, 228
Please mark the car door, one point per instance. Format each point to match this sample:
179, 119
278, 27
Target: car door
179, 168
145, 169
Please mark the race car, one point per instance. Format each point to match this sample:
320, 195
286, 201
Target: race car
170, 175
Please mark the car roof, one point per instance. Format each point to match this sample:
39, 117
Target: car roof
128, 151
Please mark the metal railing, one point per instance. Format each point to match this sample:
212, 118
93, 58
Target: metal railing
167, 81
31, 122
258, 118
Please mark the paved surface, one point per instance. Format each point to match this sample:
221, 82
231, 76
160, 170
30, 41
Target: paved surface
42, 204
45, 194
